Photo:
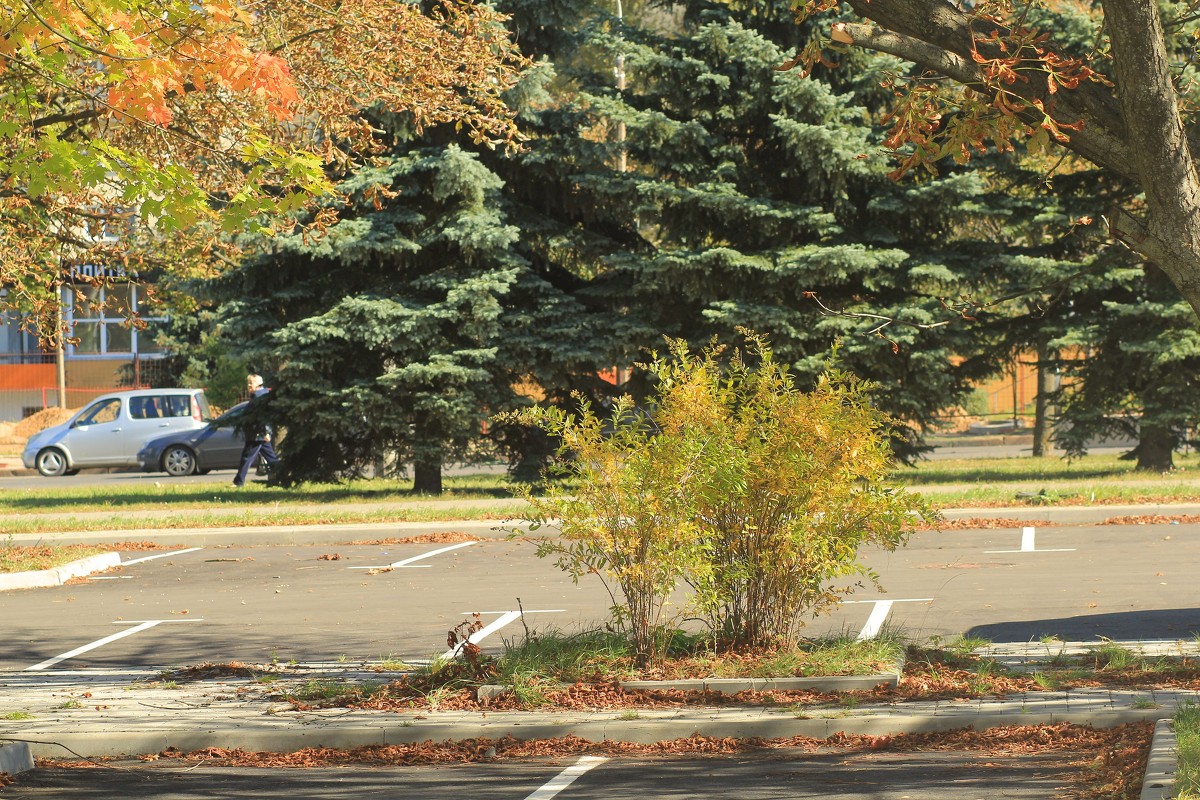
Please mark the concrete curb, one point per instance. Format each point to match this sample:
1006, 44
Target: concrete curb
59, 575
15, 758
832, 683
292, 535
289, 731
828, 683
1163, 764
265, 535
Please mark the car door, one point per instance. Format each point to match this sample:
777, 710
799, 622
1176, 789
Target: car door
96, 436
149, 417
176, 410
222, 446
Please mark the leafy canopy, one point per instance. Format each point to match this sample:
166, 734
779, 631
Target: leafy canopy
1125, 102
139, 133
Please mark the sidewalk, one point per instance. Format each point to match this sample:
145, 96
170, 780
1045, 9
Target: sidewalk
484, 529
126, 712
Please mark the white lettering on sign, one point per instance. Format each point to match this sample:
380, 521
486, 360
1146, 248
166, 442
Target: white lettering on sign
97, 271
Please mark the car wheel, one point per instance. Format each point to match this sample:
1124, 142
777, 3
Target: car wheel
51, 463
178, 461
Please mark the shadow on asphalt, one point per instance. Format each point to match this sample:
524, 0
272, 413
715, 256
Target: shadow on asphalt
840, 775
251, 494
1171, 623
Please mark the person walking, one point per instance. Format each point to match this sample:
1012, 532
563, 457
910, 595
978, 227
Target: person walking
257, 437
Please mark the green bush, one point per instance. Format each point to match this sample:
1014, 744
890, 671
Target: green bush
630, 517
799, 487
755, 494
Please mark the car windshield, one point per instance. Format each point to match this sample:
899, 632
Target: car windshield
202, 405
229, 417
104, 411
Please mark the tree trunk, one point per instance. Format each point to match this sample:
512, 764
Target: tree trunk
1041, 407
1155, 449
1131, 126
427, 477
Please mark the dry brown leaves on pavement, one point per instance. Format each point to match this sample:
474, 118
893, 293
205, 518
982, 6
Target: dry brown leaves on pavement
1153, 519
1103, 764
444, 537
210, 670
976, 523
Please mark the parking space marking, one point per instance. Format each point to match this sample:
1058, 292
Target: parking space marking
140, 626
1027, 537
160, 555
566, 777
407, 561
495, 625
880, 613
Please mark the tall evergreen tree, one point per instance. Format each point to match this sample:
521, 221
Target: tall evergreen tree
740, 195
397, 331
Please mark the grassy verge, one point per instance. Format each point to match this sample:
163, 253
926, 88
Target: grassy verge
21, 558
1187, 736
603, 655
961, 483
1100, 479
275, 517
538, 671
54, 497
582, 671
1104, 467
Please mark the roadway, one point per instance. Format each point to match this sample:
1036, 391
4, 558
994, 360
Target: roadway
340, 602
827, 773
346, 603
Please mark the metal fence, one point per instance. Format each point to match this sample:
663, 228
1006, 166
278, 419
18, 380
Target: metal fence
30, 383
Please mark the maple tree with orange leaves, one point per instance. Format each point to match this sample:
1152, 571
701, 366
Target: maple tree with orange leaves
141, 135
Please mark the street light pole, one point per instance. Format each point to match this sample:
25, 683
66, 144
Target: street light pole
60, 357
622, 161
619, 71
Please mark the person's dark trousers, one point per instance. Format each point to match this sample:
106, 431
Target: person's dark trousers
250, 451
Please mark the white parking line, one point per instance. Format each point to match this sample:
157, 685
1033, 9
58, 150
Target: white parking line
874, 622
1027, 537
160, 555
495, 625
566, 777
880, 613
408, 561
141, 626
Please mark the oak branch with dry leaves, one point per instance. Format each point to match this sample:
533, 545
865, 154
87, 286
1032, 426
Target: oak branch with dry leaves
137, 134
1123, 105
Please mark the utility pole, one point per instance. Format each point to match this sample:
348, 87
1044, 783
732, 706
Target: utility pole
619, 71
60, 356
622, 161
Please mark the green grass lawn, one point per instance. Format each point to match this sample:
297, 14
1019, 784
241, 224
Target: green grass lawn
981, 482
1187, 735
17, 558
56, 495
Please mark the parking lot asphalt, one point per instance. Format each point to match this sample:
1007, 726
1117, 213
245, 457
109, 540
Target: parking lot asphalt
66, 714
114, 711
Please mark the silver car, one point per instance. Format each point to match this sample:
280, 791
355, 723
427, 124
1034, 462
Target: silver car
111, 430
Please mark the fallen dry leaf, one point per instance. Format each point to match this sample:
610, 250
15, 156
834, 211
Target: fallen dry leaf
445, 537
